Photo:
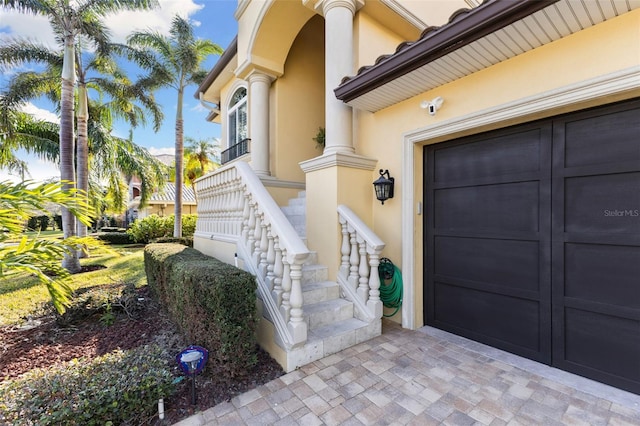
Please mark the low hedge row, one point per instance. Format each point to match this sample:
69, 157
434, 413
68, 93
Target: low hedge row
117, 388
214, 303
113, 237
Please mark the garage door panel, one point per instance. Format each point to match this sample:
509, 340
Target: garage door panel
609, 203
603, 273
605, 344
506, 263
571, 227
603, 139
504, 207
489, 158
507, 322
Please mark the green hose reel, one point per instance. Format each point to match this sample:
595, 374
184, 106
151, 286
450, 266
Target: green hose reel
390, 285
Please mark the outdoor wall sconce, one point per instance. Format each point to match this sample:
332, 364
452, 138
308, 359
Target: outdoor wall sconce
384, 186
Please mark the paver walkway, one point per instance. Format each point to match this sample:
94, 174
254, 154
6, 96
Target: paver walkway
425, 377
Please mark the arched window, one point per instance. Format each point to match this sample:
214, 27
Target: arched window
237, 117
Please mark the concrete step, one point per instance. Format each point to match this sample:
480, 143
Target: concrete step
295, 209
343, 334
314, 273
297, 202
324, 313
319, 292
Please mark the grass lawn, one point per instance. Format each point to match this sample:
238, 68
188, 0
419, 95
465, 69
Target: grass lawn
22, 294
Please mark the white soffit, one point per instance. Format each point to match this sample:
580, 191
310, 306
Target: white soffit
545, 26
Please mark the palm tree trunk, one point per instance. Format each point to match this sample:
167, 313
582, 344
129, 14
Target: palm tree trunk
177, 226
82, 155
67, 174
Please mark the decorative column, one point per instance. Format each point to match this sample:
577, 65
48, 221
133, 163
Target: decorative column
338, 25
259, 84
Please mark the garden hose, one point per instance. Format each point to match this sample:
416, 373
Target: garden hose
391, 293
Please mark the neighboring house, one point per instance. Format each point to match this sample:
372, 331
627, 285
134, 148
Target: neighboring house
162, 202
512, 130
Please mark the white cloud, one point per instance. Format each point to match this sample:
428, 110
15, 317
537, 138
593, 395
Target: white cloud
40, 113
39, 170
32, 27
161, 151
121, 24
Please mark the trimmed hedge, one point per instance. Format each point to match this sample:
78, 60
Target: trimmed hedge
113, 237
117, 388
214, 303
185, 241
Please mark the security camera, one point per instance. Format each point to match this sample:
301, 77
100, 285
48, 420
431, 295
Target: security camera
433, 105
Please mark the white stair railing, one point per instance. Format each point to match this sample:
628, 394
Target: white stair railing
234, 206
358, 274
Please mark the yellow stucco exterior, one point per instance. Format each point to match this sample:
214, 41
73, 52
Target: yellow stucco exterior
286, 40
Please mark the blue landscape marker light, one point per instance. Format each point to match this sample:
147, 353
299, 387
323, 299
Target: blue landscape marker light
192, 361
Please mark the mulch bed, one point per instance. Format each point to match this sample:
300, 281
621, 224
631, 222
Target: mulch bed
43, 342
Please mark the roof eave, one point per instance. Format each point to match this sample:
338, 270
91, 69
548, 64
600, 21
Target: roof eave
229, 53
463, 29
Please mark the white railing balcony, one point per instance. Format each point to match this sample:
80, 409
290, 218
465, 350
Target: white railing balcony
234, 206
358, 274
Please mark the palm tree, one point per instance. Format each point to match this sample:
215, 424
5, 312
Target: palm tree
39, 257
70, 20
201, 156
180, 56
112, 159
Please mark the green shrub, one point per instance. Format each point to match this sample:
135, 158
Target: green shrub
212, 302
113, 237
57, 220
185, 241
112, 229
154, 226
117, 388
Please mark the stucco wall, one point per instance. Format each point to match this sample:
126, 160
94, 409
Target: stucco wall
597, 51
297, 103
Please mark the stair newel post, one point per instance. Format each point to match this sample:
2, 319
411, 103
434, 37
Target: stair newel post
344, 249
353, 259
278, 269
297, 325
251, 225
264, 246
271, 258
363, 271
374, 303
285, 307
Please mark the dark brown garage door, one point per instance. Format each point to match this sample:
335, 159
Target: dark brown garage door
533, 241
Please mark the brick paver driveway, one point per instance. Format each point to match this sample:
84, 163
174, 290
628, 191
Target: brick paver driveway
426, 377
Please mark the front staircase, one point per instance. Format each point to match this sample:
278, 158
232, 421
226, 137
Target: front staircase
332, 320
305, 316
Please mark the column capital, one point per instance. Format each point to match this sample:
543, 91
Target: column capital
326, 5
258, 76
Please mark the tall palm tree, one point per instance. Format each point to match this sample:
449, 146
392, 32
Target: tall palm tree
70, 20
124, 96
181, 55
111, 159
201, 156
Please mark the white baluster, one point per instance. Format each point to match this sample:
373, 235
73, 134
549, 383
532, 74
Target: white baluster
374, 303
363, 272
278, 268
251, 240
285, 307
257, 233
353, 259
270, 258
344, 250
264, 246
297, 325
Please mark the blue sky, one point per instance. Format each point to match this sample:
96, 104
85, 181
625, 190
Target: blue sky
213, 20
